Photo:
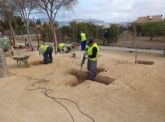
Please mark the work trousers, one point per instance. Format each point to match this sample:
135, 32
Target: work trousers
92, 68
83, 45
48, 55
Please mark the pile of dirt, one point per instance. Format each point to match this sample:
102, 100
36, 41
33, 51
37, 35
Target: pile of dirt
82, 76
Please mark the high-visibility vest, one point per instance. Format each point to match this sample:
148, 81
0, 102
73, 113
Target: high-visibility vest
61, 45
83, 37
44, 47
90, 49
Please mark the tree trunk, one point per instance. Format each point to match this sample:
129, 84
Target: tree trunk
133, 39
104, 40
73, 35
108, 41
151, 38
76, 35
136, 56
16, 26
3, 65
29, 36
55, 39
60, 35
12, 32
38, 41
54, 36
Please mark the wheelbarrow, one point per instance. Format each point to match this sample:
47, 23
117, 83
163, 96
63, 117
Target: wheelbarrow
21, 60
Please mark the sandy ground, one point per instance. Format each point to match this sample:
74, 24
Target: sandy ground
136, 95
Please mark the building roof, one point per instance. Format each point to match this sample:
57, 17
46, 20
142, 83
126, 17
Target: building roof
154, 18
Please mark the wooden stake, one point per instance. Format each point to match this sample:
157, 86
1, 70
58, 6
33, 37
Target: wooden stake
133, 40
135, 56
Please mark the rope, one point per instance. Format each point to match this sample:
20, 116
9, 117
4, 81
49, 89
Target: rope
45, 92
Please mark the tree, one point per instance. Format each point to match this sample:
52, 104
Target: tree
151, 29
25, 8
87, 27
7, 8
72, 31
114, 33
4, 25
66, 33
133, 28
106, 35
51, 8
19, 25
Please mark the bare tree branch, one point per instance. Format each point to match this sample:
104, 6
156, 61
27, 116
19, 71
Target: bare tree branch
51, 8
25, 8
7, 9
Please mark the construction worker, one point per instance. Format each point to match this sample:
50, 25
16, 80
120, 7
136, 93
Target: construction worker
83, 41
92, 52
61, 47
46, 51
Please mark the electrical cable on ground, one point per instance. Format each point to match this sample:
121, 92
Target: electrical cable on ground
45, 92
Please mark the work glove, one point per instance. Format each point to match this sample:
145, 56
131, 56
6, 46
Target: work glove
86, 56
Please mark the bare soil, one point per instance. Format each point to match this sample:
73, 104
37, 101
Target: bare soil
51, 93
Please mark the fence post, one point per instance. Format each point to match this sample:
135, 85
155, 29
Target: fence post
3, 65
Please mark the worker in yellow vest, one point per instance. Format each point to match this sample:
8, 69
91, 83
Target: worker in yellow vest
83, 41
46, 51
92, 55
61, 47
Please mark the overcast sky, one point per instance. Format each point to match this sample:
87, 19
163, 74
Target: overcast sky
114, 10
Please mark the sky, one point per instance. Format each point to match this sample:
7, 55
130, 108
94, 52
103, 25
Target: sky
113, 10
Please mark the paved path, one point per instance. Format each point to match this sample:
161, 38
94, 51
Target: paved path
124, 49
131, 49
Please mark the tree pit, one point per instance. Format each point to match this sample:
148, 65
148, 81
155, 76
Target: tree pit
144, 62
82, 76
